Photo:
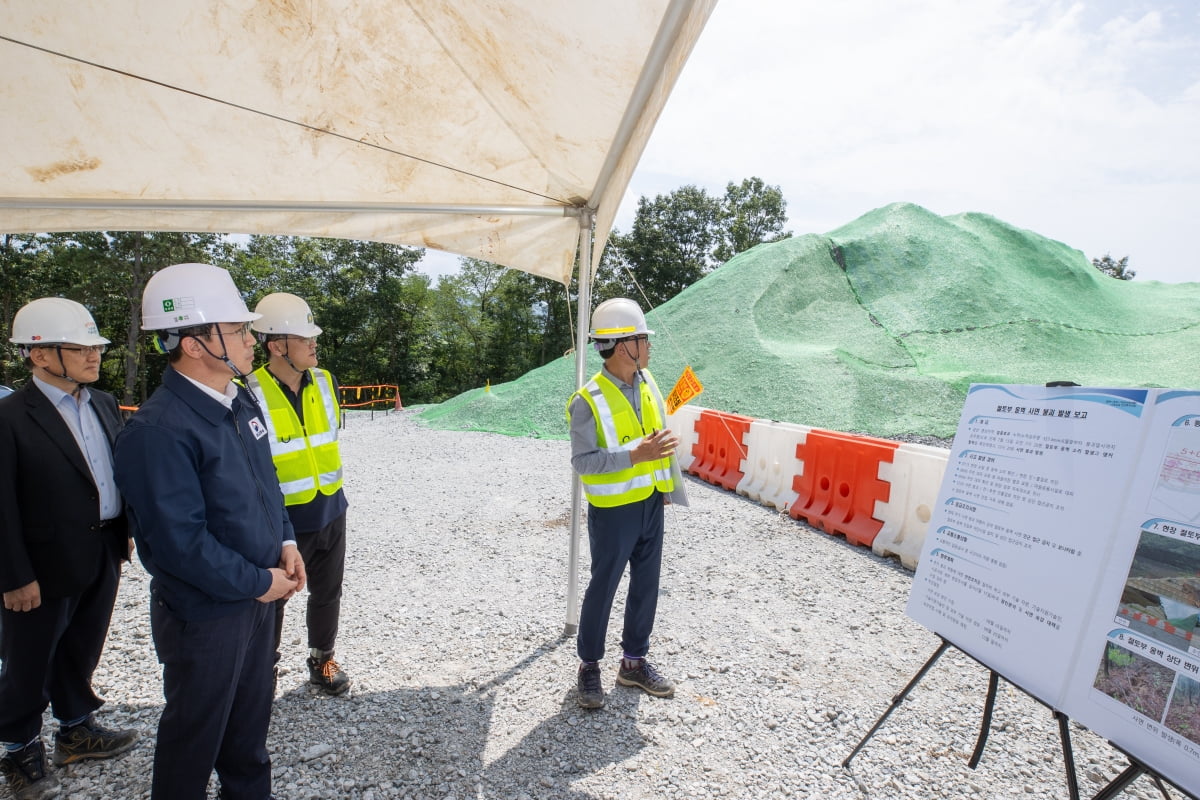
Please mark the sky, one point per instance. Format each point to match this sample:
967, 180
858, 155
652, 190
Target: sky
1079, 121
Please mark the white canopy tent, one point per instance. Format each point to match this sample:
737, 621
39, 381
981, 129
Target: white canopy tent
504, 130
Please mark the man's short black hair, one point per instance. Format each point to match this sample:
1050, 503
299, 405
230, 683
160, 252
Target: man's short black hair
176, 352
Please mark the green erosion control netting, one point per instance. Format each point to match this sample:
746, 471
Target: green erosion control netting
880, 326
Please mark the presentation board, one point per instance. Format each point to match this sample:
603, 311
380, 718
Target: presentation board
1064, 553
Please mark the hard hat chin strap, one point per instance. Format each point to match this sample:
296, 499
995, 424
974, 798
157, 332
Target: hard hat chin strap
62, 365
224, 357
287, 355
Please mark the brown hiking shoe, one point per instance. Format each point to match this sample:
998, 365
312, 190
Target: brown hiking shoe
590, 690
90, 739
25, 772
645, 676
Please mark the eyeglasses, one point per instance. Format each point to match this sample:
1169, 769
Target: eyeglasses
98, 349
303, 339
639, 339
242, 330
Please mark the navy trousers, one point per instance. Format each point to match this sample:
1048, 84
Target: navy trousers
623, 535
217, 684
50, 654
324, 554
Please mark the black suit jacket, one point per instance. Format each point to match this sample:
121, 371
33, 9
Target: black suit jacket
49, 505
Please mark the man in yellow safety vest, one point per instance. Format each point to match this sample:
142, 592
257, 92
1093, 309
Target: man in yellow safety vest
303, 417
625, 458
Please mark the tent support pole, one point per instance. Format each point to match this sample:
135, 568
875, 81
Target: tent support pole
583, 306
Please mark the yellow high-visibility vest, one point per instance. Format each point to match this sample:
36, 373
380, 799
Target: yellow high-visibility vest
306, 457
618, 426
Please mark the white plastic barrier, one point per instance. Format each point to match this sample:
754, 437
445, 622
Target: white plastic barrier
682, 425
916, 477
771, 462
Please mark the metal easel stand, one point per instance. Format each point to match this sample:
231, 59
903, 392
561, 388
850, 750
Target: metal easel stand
1135, 770
985, 724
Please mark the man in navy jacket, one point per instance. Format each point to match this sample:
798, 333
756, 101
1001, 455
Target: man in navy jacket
208, 517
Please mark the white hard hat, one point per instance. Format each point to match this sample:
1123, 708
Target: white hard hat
183, 295
55, 320
285, 313
618, 318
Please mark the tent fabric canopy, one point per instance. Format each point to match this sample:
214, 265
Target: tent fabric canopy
483, 128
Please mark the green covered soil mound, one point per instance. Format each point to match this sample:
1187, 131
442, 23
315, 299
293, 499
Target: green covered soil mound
880, 326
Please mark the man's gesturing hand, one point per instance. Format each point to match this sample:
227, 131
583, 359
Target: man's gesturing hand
659, 444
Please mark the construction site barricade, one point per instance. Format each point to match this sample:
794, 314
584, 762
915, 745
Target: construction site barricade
383, 396
720, 448
682, 425
839, 484
915, 475
771, 462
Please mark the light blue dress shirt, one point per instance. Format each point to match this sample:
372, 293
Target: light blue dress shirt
92, 440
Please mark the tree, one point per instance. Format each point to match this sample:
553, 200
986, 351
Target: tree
22, 267
105, 271
680, 237
669, 248
751, 213
1114, 269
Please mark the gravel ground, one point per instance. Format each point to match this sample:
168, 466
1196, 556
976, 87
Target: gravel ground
786, 643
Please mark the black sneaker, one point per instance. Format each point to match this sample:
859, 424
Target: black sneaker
25, 772
327, 674
647, 678
591, 693
90, 739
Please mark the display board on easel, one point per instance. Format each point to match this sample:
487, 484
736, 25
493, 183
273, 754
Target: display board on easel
1064, 554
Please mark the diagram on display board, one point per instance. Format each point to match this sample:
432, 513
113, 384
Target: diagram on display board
1064, 554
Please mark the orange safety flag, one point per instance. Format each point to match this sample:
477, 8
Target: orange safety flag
687, 387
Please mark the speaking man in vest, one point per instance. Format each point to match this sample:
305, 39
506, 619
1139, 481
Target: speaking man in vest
303, 418
625, 458
63, 536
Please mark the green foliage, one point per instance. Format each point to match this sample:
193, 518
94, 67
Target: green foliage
367, 297
106, 273
680, 237
383, 322
751, 213
1118, 657
1114, 269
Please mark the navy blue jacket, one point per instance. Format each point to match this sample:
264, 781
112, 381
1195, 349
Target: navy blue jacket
204, 502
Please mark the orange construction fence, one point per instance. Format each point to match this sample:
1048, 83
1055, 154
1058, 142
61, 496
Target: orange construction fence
840, 483
370, 396
720, 448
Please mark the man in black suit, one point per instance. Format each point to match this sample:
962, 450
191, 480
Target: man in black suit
63, 536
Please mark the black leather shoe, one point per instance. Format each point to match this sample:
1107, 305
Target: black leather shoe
327, 674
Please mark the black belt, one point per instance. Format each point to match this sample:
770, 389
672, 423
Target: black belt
106, 523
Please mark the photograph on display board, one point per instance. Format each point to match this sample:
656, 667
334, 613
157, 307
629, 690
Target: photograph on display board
1161, 598
1183, 715
1134, 681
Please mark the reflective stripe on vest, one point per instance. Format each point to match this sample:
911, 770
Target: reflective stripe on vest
618, 428
305, 460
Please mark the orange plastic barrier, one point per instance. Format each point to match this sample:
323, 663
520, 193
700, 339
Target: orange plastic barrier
840, 483
720, 448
